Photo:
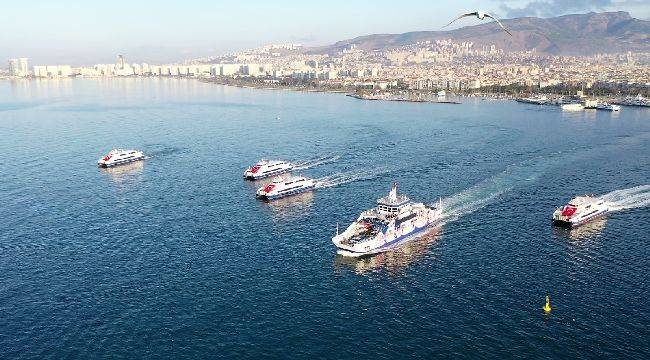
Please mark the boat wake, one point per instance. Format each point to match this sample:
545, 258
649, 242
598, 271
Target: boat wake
625, 199
348, 177
308, 164
488, 190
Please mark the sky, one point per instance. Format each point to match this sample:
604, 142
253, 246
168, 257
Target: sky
90, 32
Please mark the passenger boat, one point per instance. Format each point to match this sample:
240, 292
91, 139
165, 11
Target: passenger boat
590, 104
283, 187
537, 100
572, 107
267, 168
395, 220
580, 210
608, 107
119, 157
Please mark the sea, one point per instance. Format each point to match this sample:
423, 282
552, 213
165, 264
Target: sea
174, 257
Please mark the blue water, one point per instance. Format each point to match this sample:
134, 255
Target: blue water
175, 258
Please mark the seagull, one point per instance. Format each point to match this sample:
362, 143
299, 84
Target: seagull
481, 16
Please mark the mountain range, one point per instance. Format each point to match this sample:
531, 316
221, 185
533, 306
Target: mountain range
574, 35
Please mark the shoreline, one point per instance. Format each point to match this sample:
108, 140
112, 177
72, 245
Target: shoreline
392, 95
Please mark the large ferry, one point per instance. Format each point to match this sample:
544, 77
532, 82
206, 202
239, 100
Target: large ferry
267, 168
580, 210
396, 219
282, 187
120, 156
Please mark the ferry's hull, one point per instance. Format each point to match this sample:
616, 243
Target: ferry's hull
305, 189
572, 224
249, 176
118, 163
386, 246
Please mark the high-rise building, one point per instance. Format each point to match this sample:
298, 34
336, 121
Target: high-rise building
120, 62
13, 67
18, 67
23, 67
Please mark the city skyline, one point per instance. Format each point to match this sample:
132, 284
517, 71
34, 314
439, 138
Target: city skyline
64, 33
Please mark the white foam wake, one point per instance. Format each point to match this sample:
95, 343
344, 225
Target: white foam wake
488, 190
348, 177
308, 164
624, 199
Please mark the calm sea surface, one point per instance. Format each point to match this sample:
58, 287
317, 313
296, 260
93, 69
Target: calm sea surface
175, 258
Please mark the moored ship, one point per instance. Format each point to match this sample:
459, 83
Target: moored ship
580, 210
572, 107
537, 100
119, 157
283, 187
608, 107
267, 168
395, 220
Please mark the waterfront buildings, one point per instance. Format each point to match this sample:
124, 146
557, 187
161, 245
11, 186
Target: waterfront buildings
421, 66
18, 67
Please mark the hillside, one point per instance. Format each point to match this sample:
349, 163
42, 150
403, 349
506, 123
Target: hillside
577, 34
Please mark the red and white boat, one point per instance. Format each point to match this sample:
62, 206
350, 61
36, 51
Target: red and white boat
580, 210
119, 157
280, 187
267, 168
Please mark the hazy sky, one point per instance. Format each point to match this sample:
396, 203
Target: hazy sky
88, 32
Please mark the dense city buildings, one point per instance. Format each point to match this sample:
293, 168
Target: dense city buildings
421, 66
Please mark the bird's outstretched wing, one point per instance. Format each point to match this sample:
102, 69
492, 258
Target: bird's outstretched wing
498, 22
475, 13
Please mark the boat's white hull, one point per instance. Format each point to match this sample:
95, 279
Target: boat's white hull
248, 175
572, 107
579, 220
275, 196
350, 252
119, 162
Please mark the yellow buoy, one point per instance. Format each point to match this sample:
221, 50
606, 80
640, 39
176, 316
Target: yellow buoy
547, 306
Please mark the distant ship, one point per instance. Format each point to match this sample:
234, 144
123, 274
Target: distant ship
267, 168
283, 187
572, 107
608, 107
537, 100
395, 220
119, 157
636, 101
580, 210
590, 104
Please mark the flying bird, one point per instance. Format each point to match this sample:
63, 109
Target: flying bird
481, 16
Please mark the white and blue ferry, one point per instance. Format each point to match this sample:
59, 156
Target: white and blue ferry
119, 157
283, 187
395, 220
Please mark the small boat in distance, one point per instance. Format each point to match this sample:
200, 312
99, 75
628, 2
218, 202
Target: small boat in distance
572, 107
395, 220
608, 107
537, 100
119, 157
283, 187
580, 210
267, 168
